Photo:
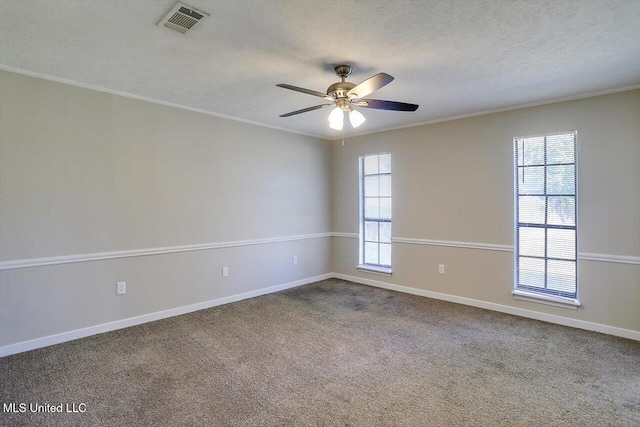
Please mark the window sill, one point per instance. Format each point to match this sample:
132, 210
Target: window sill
383, 271
562, 302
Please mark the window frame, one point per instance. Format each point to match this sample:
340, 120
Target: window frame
362, 265
542, 295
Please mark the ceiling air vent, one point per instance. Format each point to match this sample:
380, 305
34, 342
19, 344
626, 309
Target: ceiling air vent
182, 18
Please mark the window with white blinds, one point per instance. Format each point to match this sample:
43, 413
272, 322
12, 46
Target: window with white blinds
546, 219
375, 212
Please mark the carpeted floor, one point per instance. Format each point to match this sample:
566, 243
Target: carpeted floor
338, 354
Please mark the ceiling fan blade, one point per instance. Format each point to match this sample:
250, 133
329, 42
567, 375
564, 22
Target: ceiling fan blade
386, 105
370, 85
307, 91
304, 110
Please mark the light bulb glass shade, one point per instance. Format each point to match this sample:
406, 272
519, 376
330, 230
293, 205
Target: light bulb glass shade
336, 119
356, 118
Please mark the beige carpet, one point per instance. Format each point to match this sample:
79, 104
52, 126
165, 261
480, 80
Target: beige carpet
338, 354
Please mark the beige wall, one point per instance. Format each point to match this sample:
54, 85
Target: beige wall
86, 172
453, 181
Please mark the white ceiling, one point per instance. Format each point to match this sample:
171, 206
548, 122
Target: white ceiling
451, 57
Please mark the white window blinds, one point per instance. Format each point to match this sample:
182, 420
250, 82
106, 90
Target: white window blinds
375, 210
545, 217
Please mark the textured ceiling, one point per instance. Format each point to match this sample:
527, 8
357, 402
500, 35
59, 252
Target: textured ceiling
451, 57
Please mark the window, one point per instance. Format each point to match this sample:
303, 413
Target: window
545, 216
375, 213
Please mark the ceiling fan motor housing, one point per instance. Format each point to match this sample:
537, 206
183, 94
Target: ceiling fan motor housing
339, 90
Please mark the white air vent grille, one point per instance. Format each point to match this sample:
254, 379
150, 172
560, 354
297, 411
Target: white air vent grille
182, 18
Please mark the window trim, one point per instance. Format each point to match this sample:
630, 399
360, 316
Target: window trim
362, 266
528, 294
547, 299
368, 268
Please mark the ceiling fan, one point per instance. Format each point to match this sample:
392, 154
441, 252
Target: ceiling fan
345, 95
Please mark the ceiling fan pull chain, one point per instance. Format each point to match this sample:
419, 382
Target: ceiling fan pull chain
343, 137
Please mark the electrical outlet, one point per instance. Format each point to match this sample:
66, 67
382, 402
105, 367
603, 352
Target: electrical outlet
121, 288
441, 268
295, 260
225, 271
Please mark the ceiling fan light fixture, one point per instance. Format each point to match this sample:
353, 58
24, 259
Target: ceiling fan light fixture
355, 117
336, 119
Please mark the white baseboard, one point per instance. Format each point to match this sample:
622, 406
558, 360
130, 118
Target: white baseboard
551, 318
20, 347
